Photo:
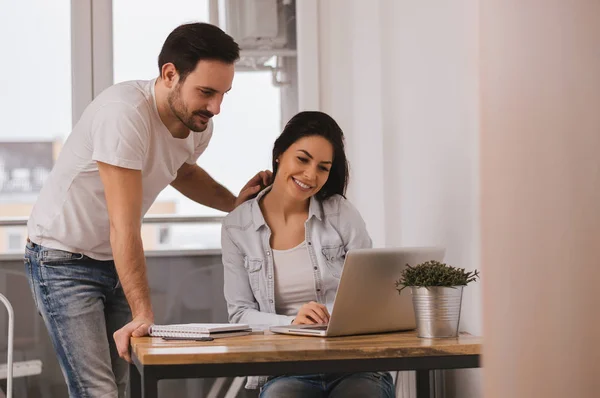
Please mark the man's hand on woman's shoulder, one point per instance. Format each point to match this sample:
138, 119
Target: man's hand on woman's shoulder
261, 180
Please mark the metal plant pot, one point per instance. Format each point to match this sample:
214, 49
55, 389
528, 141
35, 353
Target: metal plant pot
437, 310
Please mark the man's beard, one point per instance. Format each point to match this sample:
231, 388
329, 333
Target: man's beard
181, 112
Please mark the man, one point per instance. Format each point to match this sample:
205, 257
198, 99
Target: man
84, 254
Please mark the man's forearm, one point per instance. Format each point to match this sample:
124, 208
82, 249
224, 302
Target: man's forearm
128, 253
200, 187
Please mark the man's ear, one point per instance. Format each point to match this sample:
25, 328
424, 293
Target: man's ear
169, 75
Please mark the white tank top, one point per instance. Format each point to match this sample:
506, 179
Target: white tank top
294, 279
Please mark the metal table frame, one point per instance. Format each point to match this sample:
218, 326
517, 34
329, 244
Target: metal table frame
143, 379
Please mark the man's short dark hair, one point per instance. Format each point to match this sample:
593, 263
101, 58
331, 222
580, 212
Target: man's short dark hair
193, 42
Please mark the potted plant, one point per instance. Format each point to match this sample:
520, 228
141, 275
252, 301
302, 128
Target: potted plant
437, 295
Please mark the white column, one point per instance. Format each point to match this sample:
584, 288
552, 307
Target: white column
540, 175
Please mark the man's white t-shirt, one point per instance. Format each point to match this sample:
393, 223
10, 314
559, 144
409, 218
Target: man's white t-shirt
120, 127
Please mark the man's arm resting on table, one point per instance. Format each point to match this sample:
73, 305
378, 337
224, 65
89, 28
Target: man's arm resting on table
196, 184
123, 191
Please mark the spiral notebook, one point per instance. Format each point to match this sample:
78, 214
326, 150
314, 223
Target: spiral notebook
198, 330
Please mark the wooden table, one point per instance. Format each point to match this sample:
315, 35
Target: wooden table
269, 354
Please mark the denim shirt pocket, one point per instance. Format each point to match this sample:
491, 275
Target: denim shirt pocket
334, 258
253, 267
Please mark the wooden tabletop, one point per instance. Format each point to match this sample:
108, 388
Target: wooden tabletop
269, 347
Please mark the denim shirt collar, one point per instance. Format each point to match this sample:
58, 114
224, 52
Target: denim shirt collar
315, 209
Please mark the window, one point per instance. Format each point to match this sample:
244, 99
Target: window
35, 100
15, 241
39, 107
246, 129
250, 117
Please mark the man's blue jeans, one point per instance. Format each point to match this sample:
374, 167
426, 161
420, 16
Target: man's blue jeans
353, 385
83, 304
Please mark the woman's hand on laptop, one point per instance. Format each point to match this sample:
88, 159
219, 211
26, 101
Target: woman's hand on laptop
311, 313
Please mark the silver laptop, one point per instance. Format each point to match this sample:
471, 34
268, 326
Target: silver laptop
367, 300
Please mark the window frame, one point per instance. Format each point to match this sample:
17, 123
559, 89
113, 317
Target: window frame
91, 51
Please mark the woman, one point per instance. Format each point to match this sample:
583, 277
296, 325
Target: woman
283, 251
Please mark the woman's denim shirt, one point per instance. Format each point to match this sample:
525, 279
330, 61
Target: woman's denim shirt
333, 228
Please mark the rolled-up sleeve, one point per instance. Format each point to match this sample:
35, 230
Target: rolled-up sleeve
353, 227
241, 303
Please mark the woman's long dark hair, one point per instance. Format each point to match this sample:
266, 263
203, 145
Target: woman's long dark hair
314, 123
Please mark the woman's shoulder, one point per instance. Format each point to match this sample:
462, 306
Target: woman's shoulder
336, 204
339, 210
241, 215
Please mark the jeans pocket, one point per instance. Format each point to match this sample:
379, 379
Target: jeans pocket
54, 257
386, 380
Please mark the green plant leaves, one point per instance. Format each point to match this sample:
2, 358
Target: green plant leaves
434, 273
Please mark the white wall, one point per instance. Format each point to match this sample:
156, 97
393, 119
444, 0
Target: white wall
401, 78
350, 90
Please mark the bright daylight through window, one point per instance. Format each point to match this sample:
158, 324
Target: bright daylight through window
38, 109
36, 104
244, 131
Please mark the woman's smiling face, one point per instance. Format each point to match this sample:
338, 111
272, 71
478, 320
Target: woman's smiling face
304, 167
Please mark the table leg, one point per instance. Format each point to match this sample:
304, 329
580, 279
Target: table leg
149, 385
135, 382
423, 384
